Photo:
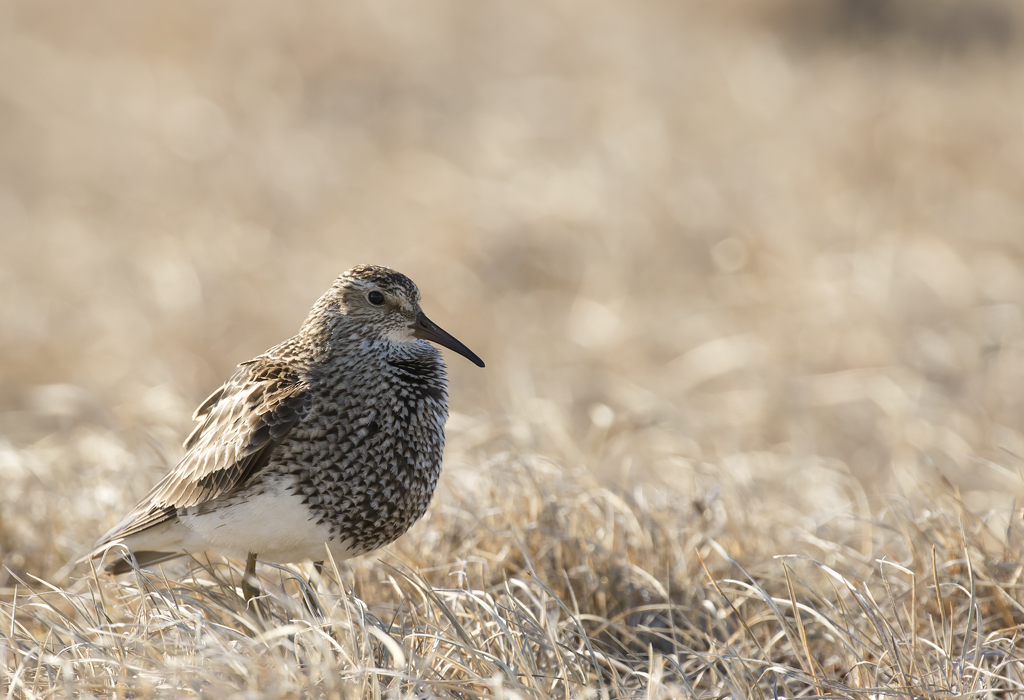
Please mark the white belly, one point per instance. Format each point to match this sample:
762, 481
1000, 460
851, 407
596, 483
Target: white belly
275, 525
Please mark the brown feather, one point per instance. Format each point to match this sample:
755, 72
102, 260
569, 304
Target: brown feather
241, 424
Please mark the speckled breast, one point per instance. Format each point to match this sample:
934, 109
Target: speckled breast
367, 457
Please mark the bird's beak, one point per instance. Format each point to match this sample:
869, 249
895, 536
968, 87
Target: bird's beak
426, 329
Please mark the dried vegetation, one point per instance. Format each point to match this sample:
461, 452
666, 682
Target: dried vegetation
749, 280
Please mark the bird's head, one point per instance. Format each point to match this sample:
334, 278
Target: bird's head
387, 304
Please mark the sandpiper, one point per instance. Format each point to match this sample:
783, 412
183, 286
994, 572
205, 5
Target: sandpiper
333, 437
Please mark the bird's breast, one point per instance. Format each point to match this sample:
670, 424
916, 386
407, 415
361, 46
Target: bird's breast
367, 457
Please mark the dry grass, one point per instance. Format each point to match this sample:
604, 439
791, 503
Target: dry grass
749, 280
527, 582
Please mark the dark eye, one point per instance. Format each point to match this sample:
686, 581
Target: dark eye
376, 298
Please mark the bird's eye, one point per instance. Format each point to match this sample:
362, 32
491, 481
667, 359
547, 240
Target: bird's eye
376, 298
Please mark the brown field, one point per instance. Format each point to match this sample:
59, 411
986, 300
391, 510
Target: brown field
748, 277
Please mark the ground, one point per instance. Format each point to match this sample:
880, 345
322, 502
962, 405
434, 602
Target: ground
748, 278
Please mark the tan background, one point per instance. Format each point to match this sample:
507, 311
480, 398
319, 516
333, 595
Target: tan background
777, 244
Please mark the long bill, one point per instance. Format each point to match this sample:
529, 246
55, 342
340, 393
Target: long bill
426, 329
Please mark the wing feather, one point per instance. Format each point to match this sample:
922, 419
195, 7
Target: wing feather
240, 424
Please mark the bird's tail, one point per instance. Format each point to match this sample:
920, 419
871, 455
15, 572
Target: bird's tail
142, 560
151, 546
128, 561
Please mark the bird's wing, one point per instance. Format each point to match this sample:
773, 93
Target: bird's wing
240, 424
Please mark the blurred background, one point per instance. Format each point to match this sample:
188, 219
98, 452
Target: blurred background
775, 243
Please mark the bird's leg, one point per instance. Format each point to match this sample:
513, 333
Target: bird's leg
314, 581
249, 589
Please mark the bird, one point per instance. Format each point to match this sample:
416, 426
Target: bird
329, 441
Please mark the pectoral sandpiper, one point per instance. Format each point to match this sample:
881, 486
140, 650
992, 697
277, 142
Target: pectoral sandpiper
332, 437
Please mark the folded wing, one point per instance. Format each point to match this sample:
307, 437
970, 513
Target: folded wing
240, 425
